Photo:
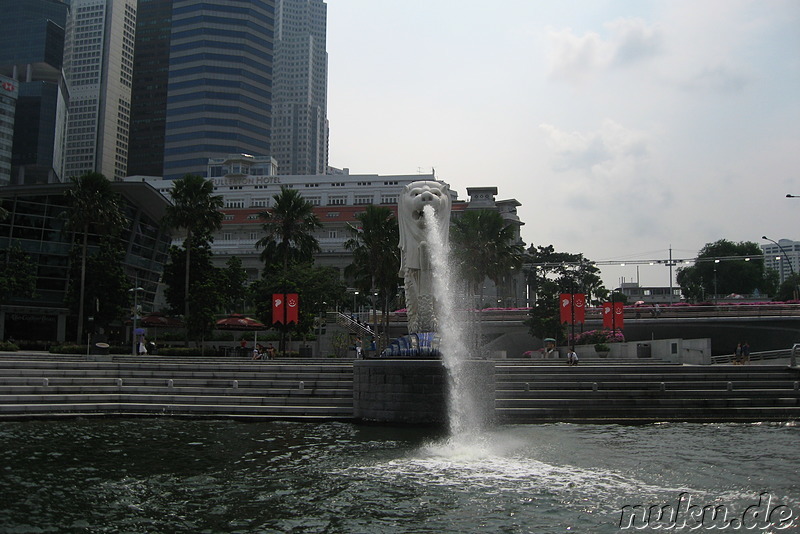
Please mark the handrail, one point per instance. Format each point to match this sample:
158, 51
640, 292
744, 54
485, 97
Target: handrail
353, 325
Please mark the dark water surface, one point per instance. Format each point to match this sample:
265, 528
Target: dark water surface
161, 475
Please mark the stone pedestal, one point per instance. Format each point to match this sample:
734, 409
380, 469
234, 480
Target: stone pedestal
411, 391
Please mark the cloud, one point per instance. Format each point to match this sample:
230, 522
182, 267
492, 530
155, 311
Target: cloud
602, 153
575, 59
719, 79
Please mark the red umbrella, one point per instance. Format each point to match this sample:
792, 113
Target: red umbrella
239, 322
236, 321
160, 320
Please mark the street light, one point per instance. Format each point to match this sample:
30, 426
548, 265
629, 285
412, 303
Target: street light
789, 195
788, 260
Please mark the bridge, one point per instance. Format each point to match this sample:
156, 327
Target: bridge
768, 326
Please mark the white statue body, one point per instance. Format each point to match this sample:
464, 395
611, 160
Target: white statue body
415, 262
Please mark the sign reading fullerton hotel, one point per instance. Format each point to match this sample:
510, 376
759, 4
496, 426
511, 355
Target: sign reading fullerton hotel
246, 180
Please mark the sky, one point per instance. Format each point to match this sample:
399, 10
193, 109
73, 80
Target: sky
624, 128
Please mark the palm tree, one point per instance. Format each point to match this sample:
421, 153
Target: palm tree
195, 209
376, 257
289, 229
485, 246
94, 207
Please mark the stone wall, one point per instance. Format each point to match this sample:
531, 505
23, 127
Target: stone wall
415, 391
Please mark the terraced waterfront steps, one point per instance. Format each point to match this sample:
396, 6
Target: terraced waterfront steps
527, 391
237, 388
644, 394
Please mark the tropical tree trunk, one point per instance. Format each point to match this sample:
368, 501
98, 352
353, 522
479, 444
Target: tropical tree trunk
186, 282
84, 250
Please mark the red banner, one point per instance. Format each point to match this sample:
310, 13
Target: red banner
613, 315
292, 308
579, 303
278, 308
565, 303
573, 307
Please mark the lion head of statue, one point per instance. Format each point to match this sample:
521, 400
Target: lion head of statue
410, 208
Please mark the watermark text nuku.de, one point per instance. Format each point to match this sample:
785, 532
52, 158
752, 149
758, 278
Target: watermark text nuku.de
682, 514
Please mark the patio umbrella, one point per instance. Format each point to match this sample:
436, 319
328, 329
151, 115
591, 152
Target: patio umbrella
242, 323
159, 320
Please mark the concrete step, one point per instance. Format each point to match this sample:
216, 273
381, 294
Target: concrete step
622, 405
286, 412
571, 376
90, 382
345, 392
644, 386
173, 398
645, 394
650, 415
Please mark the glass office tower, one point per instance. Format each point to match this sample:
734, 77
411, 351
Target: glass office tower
219, 98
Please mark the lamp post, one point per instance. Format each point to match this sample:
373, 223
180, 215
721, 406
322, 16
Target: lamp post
135, 291
788, 260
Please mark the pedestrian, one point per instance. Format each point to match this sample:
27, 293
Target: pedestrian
572, 357
270, 351
358, 348
737, 355
745, 353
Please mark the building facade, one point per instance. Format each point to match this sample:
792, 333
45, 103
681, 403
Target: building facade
300, 95
98, 62
36, 223
8, 108
219, 97
32, 37
149, 90
247, 185
783, 257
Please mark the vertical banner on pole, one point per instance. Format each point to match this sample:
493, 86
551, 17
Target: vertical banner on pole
573, 308
608, 315
277, 308
565, 304
292, 308
619, 315
614, 315
579, 303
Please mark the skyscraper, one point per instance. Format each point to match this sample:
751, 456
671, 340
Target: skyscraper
98, 62
8, 107
219, 100
31, 53
149, 92
299, 110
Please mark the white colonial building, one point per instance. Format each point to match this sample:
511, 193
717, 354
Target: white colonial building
247, 185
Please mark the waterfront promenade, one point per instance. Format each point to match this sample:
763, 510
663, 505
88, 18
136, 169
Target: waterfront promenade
35, 385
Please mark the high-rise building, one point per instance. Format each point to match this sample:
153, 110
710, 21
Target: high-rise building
8, 107
149, 93
219, 99
98, 62
31, 53
300, 95
782, 257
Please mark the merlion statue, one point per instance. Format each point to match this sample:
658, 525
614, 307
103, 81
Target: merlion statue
415, 260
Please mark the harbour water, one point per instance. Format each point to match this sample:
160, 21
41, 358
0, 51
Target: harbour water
163, 475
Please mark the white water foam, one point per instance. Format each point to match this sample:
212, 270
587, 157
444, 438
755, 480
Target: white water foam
463, 415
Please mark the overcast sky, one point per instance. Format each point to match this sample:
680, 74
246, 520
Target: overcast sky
623, 127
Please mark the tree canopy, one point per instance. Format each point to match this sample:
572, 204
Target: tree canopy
722, 268
93, 208
195, 209
289, 230
376, 257
484, 246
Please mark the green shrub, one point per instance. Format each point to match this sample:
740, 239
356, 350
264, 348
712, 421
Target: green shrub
8, 346
68, 349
